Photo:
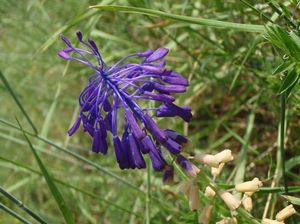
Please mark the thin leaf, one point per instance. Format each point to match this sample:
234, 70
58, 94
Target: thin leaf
285, 66
292, 199
21, 205
14, 214
187, 19
52, 187
289, 80
14, 96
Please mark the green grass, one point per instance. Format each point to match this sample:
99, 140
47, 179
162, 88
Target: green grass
242, 61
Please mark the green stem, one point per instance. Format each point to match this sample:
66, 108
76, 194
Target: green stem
148, 218
21, 205
282, 137
14, 214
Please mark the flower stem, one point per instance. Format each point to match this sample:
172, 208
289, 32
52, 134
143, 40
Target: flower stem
282, 137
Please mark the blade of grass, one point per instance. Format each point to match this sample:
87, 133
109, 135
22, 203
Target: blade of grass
52, 187
14, 96
21, 205
90, 194
14, 214
77, 156
242, 161
180, 18
281, 139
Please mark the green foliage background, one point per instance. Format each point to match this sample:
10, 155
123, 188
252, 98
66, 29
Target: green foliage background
232, 92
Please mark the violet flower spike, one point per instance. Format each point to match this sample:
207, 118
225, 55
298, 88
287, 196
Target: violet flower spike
111, 103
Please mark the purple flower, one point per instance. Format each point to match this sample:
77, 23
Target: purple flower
113, 99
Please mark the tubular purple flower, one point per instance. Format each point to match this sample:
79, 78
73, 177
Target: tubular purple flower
171, 110
111, 101
168, 177
189, 167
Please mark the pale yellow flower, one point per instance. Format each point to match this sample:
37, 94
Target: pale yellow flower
231, 201
270, 221
209, 192
285, 213
227, 220
247, 203
249, 186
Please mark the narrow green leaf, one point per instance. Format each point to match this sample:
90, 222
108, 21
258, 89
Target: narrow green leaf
186, 19
69, 186
292, 162
289, 80
52, 187
292, 199
285, 66
14, 96
14, 214
21, 205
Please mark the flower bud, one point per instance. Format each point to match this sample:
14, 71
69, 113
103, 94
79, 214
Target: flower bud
216, 171
209, 192
208, 159
224, 156
247, 203
231, 201
270, 221
249, 186
227, 220
285, 213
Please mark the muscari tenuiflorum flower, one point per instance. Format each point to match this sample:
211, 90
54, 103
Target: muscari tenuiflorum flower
114, 101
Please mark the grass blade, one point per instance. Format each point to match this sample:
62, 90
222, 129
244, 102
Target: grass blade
186, 19
21, 205
84, 192
79, 157
14, 214
54, 190
14, 96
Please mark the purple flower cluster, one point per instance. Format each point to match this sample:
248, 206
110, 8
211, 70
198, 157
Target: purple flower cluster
114, 101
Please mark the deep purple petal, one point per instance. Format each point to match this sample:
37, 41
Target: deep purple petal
172, 146
137, 131
75, 126
135, 153
168, 176
159, 97
157, 160
146, 53
121, 156
170, 110
157, 55
159, 134
169, 88
180, 139
99, 142
175, 80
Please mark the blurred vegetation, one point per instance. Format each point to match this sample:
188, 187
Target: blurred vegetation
233, 93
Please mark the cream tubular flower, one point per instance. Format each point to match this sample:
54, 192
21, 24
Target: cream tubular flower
224, 156
270, 221
216, 171
247, 203
208, 159
227, 221
231, 201
209, 192
285, 213
249, 186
